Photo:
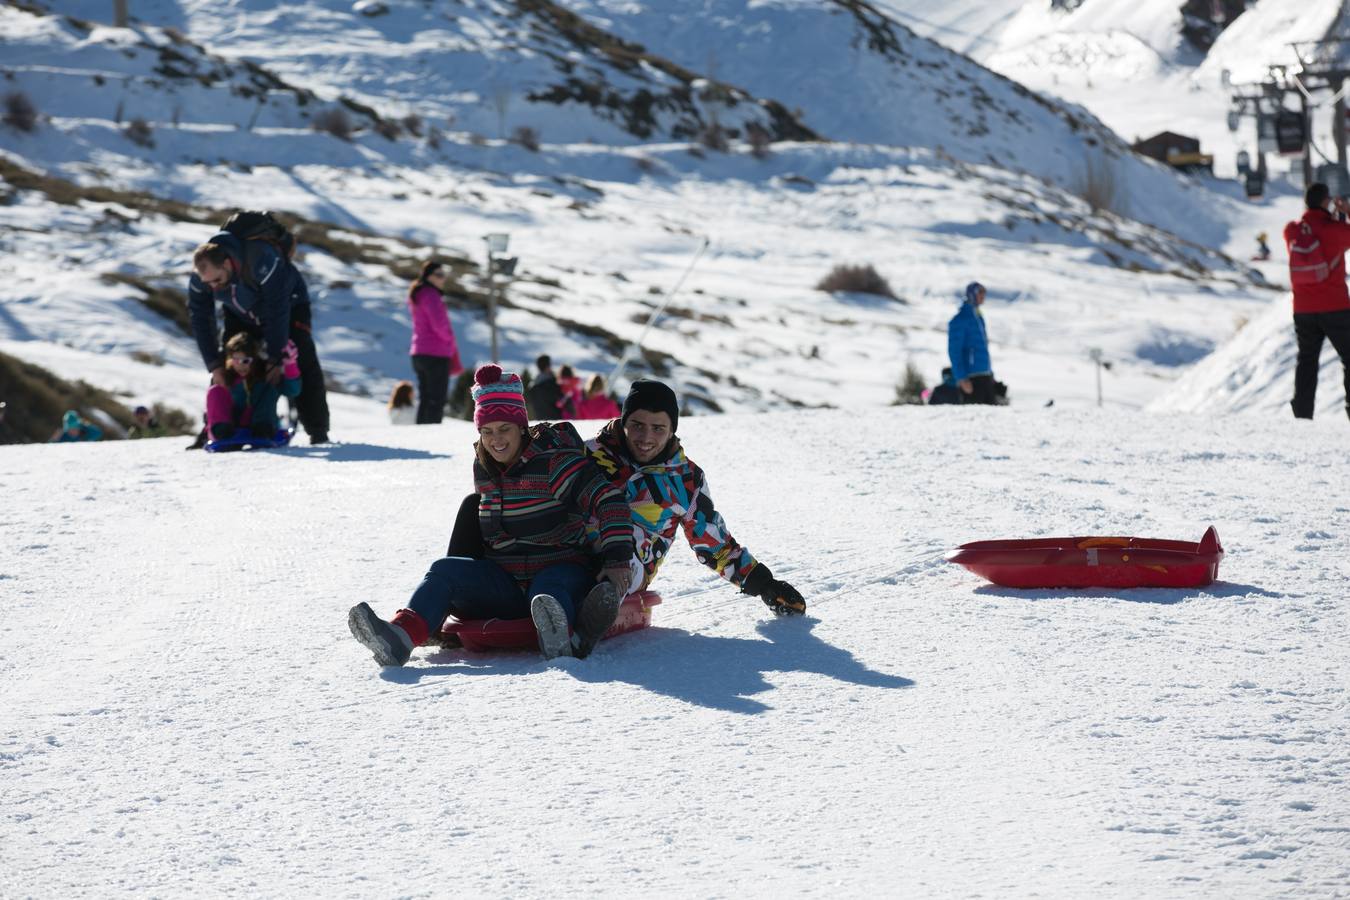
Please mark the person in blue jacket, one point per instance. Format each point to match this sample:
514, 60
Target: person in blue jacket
968, 349
262, 293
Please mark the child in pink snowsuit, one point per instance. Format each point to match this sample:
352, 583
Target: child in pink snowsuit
248, 400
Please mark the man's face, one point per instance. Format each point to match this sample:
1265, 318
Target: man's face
979, 297
217, 278
646, 434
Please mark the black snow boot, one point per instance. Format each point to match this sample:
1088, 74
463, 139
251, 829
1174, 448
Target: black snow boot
551, 623
598, 611
390, 644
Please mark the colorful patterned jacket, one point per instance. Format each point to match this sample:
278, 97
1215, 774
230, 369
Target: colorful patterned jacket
665, 495
534, 514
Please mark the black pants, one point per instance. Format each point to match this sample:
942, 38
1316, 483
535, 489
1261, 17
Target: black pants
982, 390
312, 404
1311, 329
433, 383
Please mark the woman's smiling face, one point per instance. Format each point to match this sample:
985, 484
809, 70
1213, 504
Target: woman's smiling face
502, 440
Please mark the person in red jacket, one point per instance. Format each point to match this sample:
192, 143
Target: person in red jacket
1317, 244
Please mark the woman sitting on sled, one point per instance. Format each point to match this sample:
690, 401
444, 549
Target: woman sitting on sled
536, 490
244, 409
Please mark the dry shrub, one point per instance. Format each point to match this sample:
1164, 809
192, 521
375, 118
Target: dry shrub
759, 139
526, 137
388, 130
20, 113
413, 124
1099, 185
139, 132
714, 137
334, 121
909, 390
862, 279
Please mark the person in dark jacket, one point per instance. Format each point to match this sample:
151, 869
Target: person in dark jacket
945, 392
544, 392
262, 293
537, 490
1317, 245
147, 426
668, 493
968, 349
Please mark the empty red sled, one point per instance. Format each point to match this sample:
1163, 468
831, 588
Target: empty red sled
518, 634
1078, 562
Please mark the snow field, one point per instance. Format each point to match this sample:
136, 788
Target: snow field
186, 711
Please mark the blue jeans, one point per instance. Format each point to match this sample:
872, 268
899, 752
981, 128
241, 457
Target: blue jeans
481, 589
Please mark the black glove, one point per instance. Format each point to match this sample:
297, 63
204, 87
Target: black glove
779, 596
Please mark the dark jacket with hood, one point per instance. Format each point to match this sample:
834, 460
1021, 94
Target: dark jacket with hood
262, 292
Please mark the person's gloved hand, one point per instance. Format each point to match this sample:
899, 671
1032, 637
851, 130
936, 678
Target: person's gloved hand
779, 596
784, 599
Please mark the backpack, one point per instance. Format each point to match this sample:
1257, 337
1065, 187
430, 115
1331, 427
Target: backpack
1307, 263
259, 225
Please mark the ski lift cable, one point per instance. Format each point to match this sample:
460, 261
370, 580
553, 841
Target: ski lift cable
946, 28
656, 314
1325, 158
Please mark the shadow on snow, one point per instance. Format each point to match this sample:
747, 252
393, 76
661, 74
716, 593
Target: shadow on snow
715, 672
358, 452
1219, 590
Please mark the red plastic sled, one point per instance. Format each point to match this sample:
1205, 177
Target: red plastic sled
518, 634
1076, 562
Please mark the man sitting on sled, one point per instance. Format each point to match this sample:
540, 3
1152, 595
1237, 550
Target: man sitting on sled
666, 492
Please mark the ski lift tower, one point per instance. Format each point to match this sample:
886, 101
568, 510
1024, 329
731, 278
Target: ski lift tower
1325, 67
1284, 104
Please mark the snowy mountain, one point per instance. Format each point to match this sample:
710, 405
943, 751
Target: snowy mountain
186, 713
1117, 57
604, 231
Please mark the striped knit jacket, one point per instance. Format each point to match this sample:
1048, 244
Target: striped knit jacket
664, 496
533, 515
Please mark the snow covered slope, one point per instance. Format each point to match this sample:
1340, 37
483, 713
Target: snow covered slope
185, 712
749, 332
1254, 372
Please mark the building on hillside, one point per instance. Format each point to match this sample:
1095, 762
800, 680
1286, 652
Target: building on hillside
1177, 150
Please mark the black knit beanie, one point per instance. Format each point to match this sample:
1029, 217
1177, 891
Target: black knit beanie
652, 396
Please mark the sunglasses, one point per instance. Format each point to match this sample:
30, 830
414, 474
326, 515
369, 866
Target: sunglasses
242, 360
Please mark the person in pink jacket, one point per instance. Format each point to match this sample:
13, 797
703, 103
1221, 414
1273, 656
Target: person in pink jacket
595, 403
435, 355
